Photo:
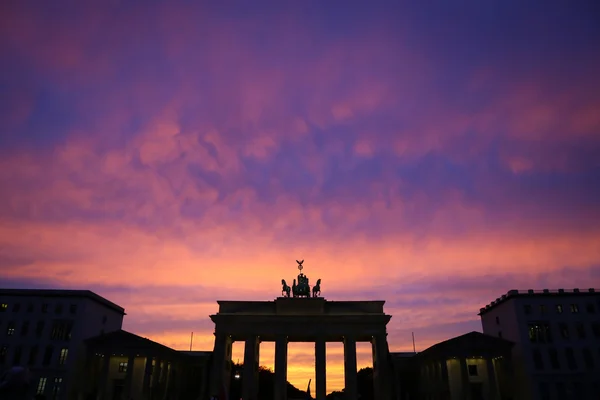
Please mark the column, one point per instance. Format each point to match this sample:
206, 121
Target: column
250, 377
217, 372
464, 379
104, 375
128, 376
169, 368
492, 379
350, 368
381, 367
147, 376
154, 389
320, 369
281, 347
445, 378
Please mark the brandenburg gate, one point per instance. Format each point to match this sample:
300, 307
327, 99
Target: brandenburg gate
304, 316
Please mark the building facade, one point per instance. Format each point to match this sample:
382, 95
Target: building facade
44, 331
473, 366
557, 341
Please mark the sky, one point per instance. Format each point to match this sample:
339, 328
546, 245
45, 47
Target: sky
167, 154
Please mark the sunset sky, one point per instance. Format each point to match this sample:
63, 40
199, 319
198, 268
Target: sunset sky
166, 154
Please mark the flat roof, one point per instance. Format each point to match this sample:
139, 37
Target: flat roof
63, 293
511, 294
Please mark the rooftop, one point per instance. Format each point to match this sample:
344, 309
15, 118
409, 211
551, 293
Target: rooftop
511, 294
62, 293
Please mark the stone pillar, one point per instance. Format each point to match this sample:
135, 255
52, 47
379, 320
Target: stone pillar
217, 372
492, 379
147, 376
382, 384
281, 350
154, 389
445, 381
464, 379
128, 377
104, 376
250, 377
168, 383
350, 371
320, 369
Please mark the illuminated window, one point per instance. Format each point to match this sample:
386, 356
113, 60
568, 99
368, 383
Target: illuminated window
559, 308
122, 367
56, 388
3, 307
574, 308
41, 386
10, 329
63, 356
540, 333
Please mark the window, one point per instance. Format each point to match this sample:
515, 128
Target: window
41, 388
527, 309
17, 355
580, 330
472, 370
570, 358
3, 307
61, 330
32, 355
544, 391
56, 388
122, 367
588, 359
537, 359
39, 329
497, 320
574, 308
590, 308
3, 352
45, 308
10, 328
542, 309
25, 328
16, 307
553, 355
64, 352
564, 330
29, 307
58, 309
73, 308
47, 356
559, 309
540, 333
596, 329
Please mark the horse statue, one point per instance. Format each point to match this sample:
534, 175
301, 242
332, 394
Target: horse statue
285, 290
316, 290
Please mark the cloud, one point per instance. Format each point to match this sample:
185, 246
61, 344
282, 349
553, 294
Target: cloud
169, 156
